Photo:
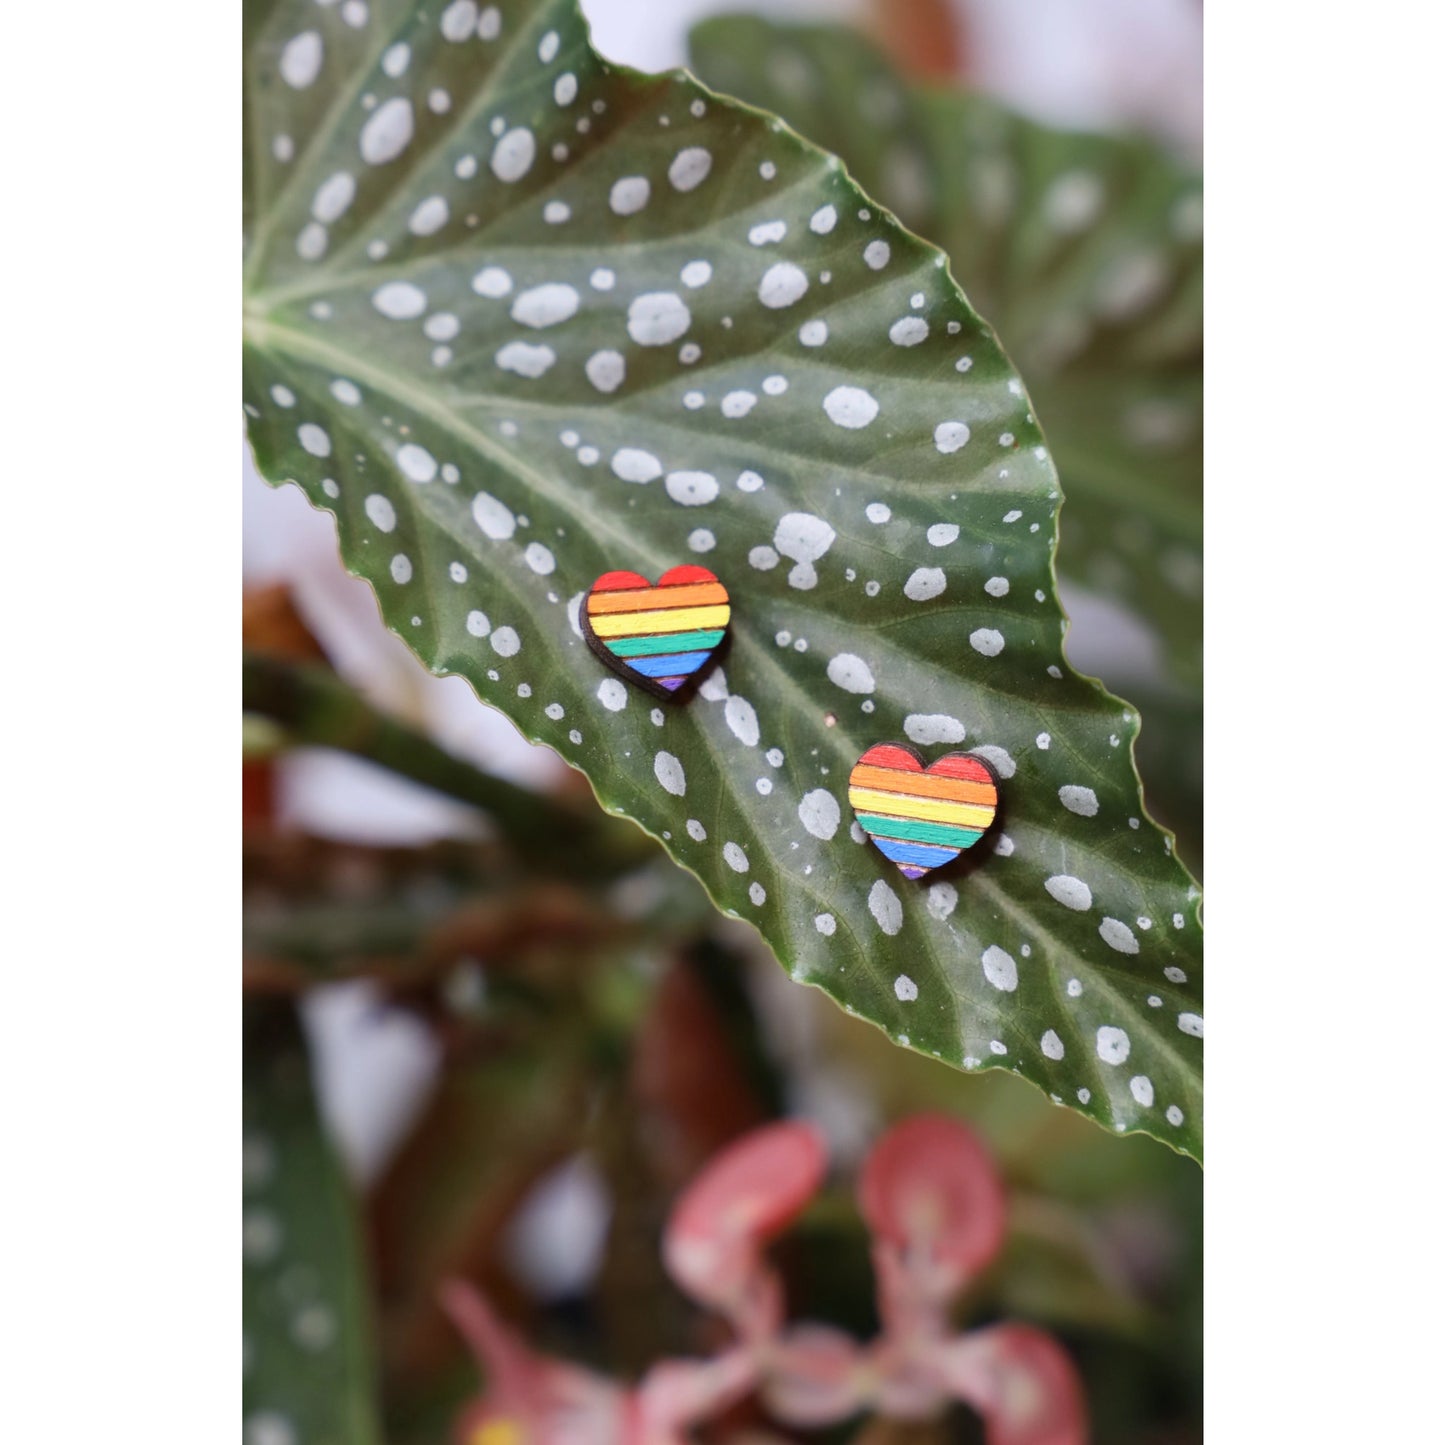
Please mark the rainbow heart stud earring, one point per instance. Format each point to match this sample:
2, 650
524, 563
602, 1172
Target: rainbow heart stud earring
659, 635
922, 817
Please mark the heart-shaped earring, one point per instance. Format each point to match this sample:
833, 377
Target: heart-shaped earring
922, 817
656, 636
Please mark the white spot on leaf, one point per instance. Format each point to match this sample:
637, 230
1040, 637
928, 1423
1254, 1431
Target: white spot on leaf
1119, 936
1112, 1044
416, 463
387, 132
850, 672
657, 318
850, 407
819, 813
493, 517
782, 285
546, 305
689, 168
606, 370
887, 911
632, 464
933, 727
381, 512
668, 771
1000, 969
924, 584
399, 300
513, 155
301, 59
1070, 891
526, 360
949, 436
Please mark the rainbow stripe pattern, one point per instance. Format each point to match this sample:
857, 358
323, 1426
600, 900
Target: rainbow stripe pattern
658, 636
922, 817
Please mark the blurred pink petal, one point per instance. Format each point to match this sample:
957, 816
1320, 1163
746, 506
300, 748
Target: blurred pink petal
715, 1234
675, 1393
1020, 1380
908, 1386
531, 1399
933, 1198
815, 1375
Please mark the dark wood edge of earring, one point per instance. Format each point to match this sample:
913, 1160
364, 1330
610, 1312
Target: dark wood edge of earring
967, 860
619, 668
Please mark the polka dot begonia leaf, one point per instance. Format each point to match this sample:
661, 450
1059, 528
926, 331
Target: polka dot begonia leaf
307, 1371
1085, 251
518, 317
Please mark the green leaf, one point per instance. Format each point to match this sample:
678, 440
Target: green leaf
308, 1363
572, 319
1083, 250
316, 707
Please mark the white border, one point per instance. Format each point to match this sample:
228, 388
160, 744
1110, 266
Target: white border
120, 1068
1323, 479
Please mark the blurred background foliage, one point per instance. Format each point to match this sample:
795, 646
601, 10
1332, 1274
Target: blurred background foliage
473, 1052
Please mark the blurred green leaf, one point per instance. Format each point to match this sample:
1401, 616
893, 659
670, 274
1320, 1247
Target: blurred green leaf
305, 1298
517, 317
317, 708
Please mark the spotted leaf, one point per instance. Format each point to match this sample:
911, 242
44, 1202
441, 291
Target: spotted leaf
1084, 251
519, 318
308, 1370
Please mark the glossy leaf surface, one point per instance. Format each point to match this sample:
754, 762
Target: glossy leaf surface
1085, 253
518, 318
305, 1308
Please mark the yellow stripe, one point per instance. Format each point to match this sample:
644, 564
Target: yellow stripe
868, 800
675, 619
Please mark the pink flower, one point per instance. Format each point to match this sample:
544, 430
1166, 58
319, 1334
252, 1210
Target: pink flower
713, 1245
935, 1205
534, 1400
816, 1375
1021, 1382
530, 1399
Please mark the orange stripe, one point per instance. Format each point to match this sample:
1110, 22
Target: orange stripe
922, 785
701, 594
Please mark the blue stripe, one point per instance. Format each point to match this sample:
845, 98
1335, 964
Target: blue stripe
915, 852
669, 664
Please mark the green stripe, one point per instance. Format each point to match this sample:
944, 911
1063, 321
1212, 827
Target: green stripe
662, 642
913, 832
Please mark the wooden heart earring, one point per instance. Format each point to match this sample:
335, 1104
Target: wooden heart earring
658, 636
922, 817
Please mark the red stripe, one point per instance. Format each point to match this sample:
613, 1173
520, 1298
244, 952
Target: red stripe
960, 765
951, 765
616, 581
688, 572
890, 755
682, 576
